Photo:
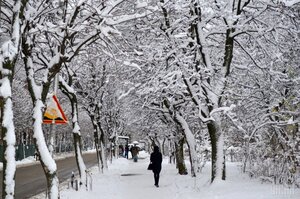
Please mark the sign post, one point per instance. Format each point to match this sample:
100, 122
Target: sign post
54, 115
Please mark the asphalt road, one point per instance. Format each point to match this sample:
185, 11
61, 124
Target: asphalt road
30, 180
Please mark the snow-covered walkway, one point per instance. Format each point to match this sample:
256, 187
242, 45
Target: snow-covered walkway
126, 179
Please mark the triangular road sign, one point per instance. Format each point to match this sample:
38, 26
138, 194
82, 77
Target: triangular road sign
54, 113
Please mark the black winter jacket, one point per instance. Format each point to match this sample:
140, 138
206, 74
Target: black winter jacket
156, 159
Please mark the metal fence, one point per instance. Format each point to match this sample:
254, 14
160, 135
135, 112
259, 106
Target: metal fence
22, 151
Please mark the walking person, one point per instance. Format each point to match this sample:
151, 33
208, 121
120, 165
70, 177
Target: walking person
156, 159
126, 151
135, 152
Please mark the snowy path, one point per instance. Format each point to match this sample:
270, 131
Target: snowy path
128, 180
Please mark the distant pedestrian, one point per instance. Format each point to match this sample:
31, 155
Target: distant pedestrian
36, 155
156, 160
72, 179
134, 153
126, 151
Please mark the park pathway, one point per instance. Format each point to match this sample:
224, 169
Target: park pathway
130, 180
126, 179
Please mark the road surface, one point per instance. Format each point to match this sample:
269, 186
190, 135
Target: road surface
30, 180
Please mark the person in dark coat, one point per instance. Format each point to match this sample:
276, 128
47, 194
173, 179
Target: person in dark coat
126, 151
156, 159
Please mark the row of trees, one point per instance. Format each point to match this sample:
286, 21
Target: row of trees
211, 74
45, 38
228, 71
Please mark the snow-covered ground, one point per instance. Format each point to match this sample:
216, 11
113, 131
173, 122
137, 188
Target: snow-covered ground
126, 179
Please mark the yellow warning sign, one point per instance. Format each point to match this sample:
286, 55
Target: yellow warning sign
54, 113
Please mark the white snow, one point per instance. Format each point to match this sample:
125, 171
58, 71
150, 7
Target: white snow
81, 165
69, 88
224, 109
38, 134
141, 4
76, 128
190, 139
10, 138
138, 52
37, 89
128, 63
118, 20
9, 49
290, 2
128, 92
114, 185
220, 159
5, 89
126, 179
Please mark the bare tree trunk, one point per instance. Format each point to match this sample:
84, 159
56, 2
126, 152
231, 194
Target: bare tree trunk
96, 140
76, 129
179, 154
47, 162
99, 157
9, 141
190, 140
38, 99
171, 151
103, 147
163, 146
215, 140
78, 154
9, 51
183, 127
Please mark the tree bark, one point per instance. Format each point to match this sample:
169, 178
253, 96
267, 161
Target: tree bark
9, 141
9, 51
96, 141
76, 129
179, 153
78, 154
213, 130
47, 162
190, 140
187, 133
38, 99
103, 147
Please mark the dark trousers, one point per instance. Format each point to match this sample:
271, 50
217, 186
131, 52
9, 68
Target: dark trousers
156, 177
